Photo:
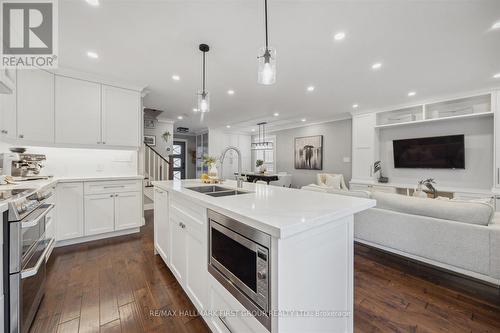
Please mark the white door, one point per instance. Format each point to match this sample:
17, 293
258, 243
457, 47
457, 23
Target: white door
99, 214
78, 111
69, 212
35, 105
8, 105
161, 224
128, 210
120, 116
177, 248
196, 263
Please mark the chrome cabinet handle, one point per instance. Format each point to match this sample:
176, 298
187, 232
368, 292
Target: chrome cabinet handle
223, 320
182, 225
25, 273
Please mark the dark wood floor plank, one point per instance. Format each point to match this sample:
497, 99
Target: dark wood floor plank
108, 304
131, 319
112, 327
69, 326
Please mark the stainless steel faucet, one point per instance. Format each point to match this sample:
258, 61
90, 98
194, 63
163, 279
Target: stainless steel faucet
239, 178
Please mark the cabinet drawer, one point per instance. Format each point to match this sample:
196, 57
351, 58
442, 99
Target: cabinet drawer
229, 315
194, 211
195, 227
112, 186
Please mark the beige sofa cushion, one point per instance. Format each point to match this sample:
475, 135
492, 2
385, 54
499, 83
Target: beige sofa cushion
460, 211
358, 194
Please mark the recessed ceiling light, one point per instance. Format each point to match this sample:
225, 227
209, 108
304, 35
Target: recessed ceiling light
310, 88
276, 114
230, 92
176, 77
92, 55
495, 25
303, 119
339, 36
412, 93
93, 2
377, 65
253, 129
496, 76
228, 126
355, 106
180, 117
195, 110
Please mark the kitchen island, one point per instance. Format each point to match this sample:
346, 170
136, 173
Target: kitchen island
261, 258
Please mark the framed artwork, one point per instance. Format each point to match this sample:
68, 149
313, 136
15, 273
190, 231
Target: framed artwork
149, 123
150, 140
309, 152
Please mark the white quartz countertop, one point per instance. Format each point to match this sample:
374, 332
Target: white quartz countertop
281, 212
53, 180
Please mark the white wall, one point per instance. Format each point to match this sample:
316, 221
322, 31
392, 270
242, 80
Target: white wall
162, 147
478, 171
337, 137
70, 162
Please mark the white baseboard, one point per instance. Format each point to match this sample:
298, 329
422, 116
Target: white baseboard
67, 242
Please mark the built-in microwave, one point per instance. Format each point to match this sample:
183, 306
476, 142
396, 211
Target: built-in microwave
239, 258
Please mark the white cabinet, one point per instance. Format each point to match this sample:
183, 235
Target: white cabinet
161, 223
188, 249
364, 146
8, 119
128, 210
69, 215
99, 214
177, 248
35, 105
120, 116
77, 111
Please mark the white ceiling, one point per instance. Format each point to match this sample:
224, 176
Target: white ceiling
431, 47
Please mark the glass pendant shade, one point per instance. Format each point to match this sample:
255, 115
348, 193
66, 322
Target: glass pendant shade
267, 66
203, 101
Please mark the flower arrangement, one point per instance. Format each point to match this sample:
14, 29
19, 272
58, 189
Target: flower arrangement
258, 163
209, 160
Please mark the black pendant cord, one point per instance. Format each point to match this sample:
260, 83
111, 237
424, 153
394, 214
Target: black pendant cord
203, 79
265, 11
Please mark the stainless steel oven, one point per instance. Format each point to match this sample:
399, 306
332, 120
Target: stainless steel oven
25, 251
239, 258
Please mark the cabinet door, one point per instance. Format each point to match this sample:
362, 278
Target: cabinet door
35, 105
177, 248
78, 111
8, 105
69, 213
120, 116
128, 210
161, 224
99, 214
196, 262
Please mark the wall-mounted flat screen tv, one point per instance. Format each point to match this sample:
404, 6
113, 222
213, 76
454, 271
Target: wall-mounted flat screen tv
440, 152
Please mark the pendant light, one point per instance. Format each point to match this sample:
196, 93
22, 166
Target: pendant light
261, 143
266, 59
203, 96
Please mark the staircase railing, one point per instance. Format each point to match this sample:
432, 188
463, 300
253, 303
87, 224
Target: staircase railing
156, 166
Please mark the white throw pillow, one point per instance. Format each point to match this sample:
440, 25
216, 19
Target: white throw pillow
333, 181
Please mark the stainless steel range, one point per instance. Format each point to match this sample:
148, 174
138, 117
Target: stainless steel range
25, 249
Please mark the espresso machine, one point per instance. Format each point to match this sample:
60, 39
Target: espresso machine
22, 166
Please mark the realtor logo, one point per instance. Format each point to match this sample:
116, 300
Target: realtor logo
29, 33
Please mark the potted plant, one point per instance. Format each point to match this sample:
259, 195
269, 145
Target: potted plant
419, 192
260, 166
210, 163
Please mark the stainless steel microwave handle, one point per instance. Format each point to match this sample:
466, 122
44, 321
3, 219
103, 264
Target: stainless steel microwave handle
25, 273
34, 222
223, 320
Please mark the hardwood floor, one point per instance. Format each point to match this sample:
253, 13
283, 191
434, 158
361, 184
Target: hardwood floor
113, 285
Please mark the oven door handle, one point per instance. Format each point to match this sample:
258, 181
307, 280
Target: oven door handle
25, 273
35, 221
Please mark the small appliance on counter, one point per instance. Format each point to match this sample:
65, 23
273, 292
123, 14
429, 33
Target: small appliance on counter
22, 166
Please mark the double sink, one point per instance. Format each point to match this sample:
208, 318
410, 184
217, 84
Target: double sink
217, 191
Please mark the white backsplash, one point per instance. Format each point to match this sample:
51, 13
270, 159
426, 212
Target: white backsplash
73, 162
